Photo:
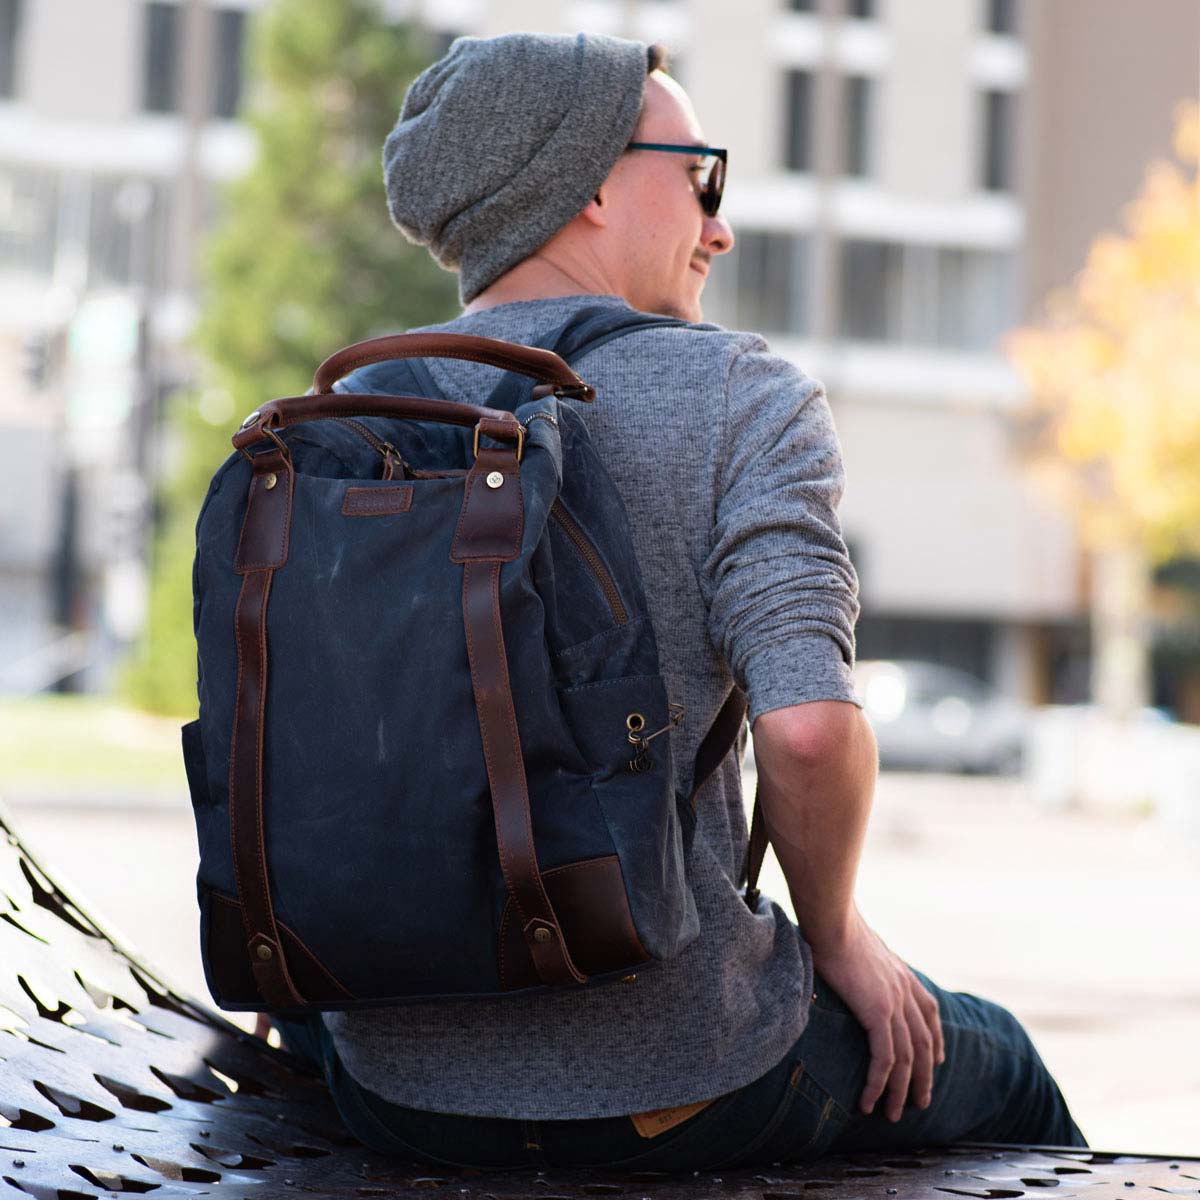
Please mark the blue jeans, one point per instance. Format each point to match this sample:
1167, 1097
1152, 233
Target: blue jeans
992, 1087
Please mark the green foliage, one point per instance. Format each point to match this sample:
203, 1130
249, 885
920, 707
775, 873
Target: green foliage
302, 260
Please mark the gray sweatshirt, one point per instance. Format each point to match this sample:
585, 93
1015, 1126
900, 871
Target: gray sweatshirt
726, 458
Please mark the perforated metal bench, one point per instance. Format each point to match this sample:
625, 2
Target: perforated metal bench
113, 1083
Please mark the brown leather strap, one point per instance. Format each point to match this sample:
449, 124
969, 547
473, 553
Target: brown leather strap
542, 365
721, 737
756, 851
488, 535
262, 549
292, 410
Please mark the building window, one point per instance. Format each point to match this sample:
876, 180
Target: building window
802, 5
761, 284
857, 115
997, 166
162, 64
160, 57
230, 36
871, 291
769, 269
29, 202
1001, 16
128, 231
798, 122
968, 645
862, 10
957, 297
10, 27
976, 297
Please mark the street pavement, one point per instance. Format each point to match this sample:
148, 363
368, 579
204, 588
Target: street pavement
1084, 925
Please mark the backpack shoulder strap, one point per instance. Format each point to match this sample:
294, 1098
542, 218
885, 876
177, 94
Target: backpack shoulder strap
595, 326
586, 330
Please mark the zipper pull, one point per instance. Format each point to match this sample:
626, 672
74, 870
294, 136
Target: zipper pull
392, 461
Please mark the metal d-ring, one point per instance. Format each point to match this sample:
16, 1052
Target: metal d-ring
275, 438
520, 440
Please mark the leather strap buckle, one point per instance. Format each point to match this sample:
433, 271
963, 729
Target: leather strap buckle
517, 427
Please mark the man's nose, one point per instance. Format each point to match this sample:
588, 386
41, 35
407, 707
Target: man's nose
716, 236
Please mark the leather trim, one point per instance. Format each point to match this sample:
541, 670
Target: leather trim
229, 967
492, 521
295, 410
266, 527
377, 501
591, 902
542, 365
490, 524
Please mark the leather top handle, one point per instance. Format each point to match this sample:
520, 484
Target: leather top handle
543, 365
293, 410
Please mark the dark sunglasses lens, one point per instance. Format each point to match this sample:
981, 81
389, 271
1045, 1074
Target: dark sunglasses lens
710, 198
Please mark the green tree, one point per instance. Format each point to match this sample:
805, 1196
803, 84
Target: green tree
302, 260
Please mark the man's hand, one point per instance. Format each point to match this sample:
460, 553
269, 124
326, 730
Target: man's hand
901, 1018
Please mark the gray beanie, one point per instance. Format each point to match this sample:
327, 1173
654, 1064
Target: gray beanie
504, 140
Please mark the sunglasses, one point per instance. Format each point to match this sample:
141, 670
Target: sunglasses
712, 169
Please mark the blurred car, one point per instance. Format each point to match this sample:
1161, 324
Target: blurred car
931, 717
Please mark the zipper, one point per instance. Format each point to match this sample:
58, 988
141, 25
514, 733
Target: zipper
593, 560
391, 456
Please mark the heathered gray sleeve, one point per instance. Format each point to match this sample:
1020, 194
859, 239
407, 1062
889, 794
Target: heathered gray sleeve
781, 591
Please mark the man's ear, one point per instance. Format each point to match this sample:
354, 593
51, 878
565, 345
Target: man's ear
596, 210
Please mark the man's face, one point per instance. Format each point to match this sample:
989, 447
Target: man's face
659, 237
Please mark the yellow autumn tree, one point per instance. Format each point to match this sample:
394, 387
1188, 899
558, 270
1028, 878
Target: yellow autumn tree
1113, 373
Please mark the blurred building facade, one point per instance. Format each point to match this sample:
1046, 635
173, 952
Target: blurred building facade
117, 120
908, 178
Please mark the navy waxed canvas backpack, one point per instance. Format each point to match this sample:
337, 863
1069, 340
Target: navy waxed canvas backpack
433, 756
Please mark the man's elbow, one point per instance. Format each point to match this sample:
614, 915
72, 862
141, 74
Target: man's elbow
814, 734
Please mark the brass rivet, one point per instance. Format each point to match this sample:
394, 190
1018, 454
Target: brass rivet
628, 978
494, 479
251, 418
541, 935
265, 953
270, 481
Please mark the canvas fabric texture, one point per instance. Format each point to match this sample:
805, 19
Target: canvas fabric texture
728, 463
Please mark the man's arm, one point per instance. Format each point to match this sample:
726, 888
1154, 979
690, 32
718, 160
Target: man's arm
782, 597
817, 764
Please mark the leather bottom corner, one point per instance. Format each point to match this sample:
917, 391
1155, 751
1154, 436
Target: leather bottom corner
592, 908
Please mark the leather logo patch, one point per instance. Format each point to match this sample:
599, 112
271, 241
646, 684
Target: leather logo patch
377, 501
651, 1124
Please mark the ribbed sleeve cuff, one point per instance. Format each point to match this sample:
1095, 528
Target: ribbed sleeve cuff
797, 670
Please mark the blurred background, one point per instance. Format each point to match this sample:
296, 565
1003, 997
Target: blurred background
977, 221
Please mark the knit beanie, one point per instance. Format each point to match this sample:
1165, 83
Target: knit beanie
504, 140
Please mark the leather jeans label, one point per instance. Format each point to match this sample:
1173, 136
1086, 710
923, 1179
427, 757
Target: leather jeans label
651, 1124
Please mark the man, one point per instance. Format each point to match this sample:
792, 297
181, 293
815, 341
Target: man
554, 173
